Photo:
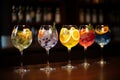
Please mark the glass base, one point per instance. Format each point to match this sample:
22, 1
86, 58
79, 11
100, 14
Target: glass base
47, 69
68, 66
102, 62
85, 65
21, 71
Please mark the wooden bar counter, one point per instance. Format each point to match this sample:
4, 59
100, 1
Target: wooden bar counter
110, 71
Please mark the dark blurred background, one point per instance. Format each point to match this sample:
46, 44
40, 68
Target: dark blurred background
40, 12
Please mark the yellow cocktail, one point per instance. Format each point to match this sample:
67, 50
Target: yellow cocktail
69, 37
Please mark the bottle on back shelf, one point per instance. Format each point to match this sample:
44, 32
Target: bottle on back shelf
49, 14
28, 17
96, 1
45, 15
101, 17
88, 17
94, 16
57, 16
14, 14
38, 15
81, 16
32, 14
21, 14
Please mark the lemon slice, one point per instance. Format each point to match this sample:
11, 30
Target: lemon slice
75, 34
102, 30
28, 33
65, 35
25, 34
72, 28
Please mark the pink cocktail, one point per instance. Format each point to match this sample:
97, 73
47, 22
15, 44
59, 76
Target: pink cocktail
87, 38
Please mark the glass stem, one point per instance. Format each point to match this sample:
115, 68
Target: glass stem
69, 56
85, 59
48, 64
21, 61
101, 53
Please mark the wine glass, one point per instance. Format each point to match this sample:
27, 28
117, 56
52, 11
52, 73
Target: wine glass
47, 38
69, 37
103, 37
21, 38
87, 38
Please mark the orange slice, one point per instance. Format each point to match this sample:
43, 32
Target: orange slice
82, 32
75, 34
65, 35
102, 30
40, 33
